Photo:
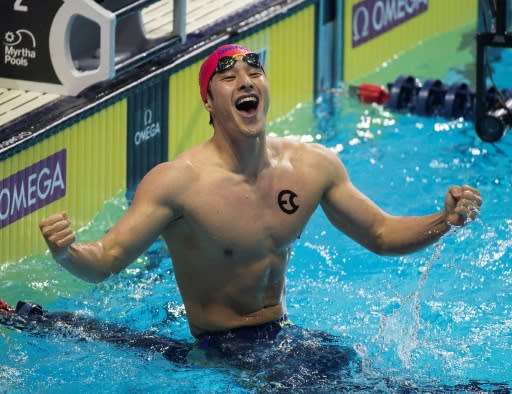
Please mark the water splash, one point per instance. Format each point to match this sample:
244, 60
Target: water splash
400, 330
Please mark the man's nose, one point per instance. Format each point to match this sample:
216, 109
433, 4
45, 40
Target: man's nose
245, 82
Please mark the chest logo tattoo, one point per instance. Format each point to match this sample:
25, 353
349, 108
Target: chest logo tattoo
286, 201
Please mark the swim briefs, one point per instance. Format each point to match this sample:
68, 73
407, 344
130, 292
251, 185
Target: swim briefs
266, 331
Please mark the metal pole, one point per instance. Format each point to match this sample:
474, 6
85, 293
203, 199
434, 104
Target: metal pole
179, 23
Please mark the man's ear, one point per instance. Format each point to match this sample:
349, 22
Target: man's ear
208, 104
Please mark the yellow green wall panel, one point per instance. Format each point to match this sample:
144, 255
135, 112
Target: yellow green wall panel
291, 60
95, 171
188, 119
442, 16
290, 56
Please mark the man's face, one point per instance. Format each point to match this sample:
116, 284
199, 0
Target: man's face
239, 99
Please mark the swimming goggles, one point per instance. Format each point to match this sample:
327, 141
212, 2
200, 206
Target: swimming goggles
227, 62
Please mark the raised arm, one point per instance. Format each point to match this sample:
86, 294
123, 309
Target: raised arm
353, 213
152, 210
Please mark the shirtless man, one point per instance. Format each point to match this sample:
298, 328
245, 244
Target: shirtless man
230, 208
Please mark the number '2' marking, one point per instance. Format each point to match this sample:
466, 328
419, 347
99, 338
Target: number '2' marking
20, 7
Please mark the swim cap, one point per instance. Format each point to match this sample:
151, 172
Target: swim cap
210, 64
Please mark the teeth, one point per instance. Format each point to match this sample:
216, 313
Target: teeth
246, 99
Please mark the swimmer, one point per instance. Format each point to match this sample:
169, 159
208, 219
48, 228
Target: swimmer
230, 208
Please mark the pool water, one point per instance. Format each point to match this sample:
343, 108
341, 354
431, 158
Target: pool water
441, 317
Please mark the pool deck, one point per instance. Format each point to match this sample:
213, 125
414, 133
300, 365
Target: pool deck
157, 18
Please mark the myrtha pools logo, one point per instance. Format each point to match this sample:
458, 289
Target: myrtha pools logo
19, 47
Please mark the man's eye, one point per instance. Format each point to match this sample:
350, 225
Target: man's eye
227, 78
256, 74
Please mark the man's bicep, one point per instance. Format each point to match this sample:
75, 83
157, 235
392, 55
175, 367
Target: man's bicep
350, 211
150, 212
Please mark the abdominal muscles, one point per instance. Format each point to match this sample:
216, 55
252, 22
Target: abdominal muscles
231, 292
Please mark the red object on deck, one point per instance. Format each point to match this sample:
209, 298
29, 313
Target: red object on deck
5, 307
370, 93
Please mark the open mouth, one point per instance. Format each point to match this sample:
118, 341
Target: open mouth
247, 104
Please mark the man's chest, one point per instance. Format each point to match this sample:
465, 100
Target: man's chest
271, 213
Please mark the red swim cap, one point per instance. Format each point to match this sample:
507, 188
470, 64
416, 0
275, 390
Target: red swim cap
210, 64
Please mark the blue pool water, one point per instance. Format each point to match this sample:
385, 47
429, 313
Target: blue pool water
437, 318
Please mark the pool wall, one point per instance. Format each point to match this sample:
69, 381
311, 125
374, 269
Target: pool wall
78, 152
91, 171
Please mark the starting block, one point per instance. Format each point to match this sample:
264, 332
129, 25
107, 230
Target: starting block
65, 46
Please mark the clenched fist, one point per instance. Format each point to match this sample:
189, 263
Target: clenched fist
57, 233
462, 203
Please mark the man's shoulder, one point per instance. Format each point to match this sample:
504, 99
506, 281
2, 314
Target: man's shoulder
295, 148
185, 163
172, 175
